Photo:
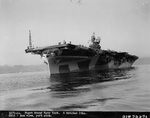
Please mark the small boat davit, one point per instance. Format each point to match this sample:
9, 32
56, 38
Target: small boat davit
67, 57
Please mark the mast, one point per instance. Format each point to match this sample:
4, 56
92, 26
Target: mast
30, 41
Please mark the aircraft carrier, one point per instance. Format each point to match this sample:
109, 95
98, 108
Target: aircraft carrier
67, 57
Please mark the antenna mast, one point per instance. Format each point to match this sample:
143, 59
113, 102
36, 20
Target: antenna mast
30, 41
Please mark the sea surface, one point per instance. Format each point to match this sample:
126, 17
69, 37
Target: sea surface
114, 90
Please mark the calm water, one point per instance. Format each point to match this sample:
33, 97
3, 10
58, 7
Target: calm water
119, 90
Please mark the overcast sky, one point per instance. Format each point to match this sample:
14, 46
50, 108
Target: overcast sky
123, 25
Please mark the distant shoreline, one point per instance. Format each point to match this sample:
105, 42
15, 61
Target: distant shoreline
21, 68
43, 67
6, 69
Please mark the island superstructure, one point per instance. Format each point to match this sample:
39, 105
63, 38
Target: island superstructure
67, 57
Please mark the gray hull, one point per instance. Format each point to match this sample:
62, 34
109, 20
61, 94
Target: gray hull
67, 64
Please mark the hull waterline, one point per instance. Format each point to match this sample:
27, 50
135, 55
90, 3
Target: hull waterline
83, 64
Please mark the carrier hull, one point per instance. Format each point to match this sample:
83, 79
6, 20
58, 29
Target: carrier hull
60, 64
